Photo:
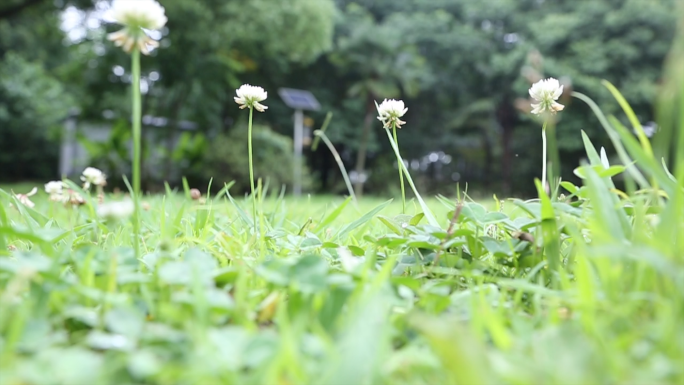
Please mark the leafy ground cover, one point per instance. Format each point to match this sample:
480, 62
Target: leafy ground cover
583, 289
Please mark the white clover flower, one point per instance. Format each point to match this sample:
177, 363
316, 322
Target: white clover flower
545, 93
250, 96
116, 210
136, 16
54, 189
390, 111
73, 198
24, 198
93, 176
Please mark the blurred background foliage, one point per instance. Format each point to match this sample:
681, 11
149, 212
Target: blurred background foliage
463, 67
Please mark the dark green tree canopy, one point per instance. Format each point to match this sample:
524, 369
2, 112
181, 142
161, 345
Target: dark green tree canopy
463, 68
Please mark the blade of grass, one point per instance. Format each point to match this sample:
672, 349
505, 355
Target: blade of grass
364, 218
324, 126
615, 139
332, 216
426, 210
549, 229
645, 143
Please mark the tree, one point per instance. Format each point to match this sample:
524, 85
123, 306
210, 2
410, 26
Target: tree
463, 67
209, 48
381, 65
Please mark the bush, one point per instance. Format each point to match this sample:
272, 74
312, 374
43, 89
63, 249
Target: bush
227, 159
32, 103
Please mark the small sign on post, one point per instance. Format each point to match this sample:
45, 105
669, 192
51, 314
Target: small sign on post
300, 101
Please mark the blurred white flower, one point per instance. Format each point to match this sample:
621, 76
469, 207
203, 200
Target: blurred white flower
390, 111
116, 210
73, 198
24, 198
93, 176
604, 159
545, 93
250, 96
136, 16
54, 189
348, 261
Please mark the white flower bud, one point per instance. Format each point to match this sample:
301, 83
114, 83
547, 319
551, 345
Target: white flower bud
136, 16
250, 96
93, 176
545, 93
390, 111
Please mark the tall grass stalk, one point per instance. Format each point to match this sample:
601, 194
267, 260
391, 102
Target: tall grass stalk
426, 210
544, 156
320, 134
401, 175
136, 121
251, 169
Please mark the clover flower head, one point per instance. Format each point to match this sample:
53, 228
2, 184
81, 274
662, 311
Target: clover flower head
24, 199
93, 176
389, 112
116, 210
545, 93
136, 16
250, 96
54, 189
73, 198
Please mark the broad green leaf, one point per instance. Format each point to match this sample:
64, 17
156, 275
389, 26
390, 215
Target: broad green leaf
494, 217
390, 224
416, 219
571, 188
602, 172
309, 274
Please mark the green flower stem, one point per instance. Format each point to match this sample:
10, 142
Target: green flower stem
321, 135
251, 169
544, 156
426, 210
137, 116
401, 175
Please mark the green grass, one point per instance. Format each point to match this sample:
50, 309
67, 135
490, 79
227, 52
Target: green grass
210, 302
583, 289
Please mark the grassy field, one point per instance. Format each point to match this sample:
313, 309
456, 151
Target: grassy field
324, 292
583, 285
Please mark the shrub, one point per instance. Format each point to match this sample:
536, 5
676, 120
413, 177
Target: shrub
227, 159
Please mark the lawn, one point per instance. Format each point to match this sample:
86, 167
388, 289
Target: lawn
325, 292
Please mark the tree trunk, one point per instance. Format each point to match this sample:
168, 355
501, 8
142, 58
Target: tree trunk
363, 146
